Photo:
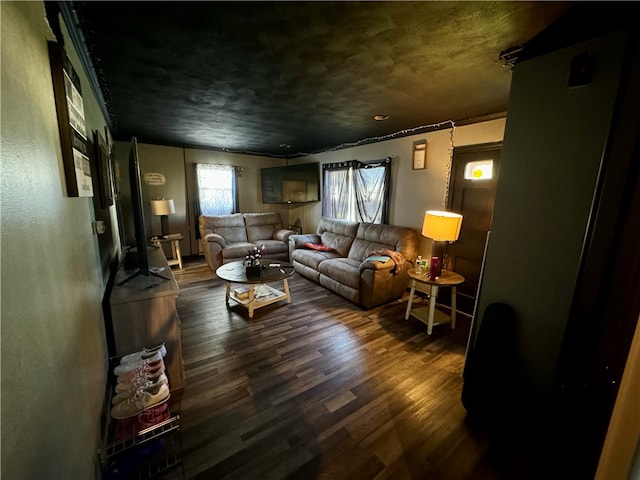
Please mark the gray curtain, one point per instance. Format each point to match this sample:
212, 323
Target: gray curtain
336, 190
371, 188
356, 190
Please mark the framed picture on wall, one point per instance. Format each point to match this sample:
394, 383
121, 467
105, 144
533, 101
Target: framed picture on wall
71, 123
113, 166
419, 154
105, 170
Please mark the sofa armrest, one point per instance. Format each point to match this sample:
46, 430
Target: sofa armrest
376, 265
212, 245
298, 241
283, 235
381, 285
214, 237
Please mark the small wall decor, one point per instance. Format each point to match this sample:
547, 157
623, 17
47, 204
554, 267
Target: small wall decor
154, 179
419, 154
71, 123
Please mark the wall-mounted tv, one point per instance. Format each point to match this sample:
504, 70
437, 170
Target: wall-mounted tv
291, 184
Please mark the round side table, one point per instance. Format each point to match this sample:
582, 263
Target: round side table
430, 315
175, 249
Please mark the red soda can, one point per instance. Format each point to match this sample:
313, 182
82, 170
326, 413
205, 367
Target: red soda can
435, 266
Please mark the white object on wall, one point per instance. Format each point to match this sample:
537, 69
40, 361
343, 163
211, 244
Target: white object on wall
154, 179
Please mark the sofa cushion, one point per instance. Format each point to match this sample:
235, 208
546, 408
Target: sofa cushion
373, 237
237, 250
311, 258
342, 270
337, 234
272, 247
230, 227
262, 226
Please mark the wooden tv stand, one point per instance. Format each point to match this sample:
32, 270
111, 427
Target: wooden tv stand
143, 313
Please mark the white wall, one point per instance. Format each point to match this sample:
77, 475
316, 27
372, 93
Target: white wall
54, 358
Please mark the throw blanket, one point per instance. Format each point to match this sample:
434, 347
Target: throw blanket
393, 255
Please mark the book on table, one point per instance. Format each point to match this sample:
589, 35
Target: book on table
241, 292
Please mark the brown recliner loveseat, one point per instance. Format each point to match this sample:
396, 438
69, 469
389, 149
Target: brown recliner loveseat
229, 238
336, 257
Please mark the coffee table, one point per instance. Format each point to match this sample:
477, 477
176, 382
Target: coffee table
260, 294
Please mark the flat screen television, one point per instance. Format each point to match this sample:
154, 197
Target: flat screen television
137, 261
291, 183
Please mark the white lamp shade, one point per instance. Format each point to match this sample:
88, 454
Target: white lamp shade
162, 207
441, 226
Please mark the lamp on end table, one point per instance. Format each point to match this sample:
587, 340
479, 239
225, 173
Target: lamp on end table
163, 208
441, 227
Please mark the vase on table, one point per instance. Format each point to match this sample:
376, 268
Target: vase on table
252, 262
253, 270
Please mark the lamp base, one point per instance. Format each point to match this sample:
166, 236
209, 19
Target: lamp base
164, 222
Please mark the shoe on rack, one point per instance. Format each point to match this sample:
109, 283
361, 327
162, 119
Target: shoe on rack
128, 367
149, 370
123, 395
145, 373
141, 377
142, 400
153, 416
144, 354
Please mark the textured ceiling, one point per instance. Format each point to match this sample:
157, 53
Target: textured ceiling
285, 78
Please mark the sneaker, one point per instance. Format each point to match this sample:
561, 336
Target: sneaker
128, 367
137, 380
144, 354
142, 400
130, 427
123, 395
153, 416
150, 370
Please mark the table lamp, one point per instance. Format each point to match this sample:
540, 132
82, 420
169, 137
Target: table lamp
163, 208
441, 227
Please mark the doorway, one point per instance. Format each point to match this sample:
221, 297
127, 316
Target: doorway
474, 174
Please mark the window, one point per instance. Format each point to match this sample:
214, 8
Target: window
480, 170
216, 186
357, 191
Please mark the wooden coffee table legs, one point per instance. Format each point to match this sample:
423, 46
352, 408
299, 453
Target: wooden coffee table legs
260, 295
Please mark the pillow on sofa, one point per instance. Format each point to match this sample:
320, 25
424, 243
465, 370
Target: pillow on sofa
318, 246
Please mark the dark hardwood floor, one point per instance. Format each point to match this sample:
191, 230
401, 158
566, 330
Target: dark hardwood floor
321, 389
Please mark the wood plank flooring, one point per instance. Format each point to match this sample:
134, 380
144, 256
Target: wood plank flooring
320, 389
